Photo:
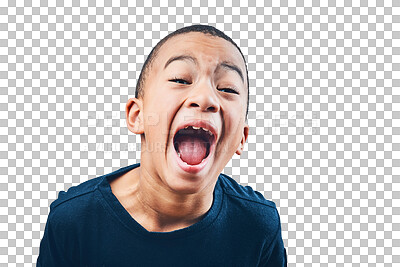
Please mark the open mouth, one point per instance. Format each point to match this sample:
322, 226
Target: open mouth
193, 144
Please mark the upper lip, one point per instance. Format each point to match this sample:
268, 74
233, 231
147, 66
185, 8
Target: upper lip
200, 123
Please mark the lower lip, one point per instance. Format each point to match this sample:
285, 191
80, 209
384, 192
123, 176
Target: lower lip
193, 168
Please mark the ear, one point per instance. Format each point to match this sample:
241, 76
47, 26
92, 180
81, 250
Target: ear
134, 115
245, 134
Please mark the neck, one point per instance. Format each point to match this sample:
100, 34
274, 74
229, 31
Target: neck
155, 206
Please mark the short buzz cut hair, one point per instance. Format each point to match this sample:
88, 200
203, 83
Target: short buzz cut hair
205, 29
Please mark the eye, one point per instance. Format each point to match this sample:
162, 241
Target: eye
180, 81
229, 90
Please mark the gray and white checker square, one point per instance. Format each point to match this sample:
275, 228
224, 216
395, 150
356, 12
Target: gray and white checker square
324, 113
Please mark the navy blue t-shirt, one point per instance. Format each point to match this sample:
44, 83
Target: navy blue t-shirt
88, 226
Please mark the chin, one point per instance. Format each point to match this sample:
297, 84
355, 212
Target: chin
183, 185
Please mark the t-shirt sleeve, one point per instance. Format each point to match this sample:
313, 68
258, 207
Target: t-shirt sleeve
274, 252
54, 246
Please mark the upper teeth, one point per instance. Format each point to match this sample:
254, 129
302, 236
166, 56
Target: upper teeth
197, 128
208, 131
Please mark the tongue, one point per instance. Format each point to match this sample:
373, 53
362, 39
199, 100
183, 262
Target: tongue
191, 148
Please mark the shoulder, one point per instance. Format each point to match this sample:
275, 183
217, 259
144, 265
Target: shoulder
81, 201
251, 205
245, 193
74, 192
73, 206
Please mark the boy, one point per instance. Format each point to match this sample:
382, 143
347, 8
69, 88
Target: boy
174, 208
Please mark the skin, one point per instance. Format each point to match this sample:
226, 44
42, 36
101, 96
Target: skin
159, 194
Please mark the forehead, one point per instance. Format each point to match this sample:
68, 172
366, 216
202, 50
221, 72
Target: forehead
209, 49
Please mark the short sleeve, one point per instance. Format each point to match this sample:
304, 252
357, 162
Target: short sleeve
274, 252
54, 248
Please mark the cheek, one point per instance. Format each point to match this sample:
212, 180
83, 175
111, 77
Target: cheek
158, 116
233, 129
233, 117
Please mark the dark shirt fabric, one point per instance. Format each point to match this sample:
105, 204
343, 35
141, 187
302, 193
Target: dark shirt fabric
88, 226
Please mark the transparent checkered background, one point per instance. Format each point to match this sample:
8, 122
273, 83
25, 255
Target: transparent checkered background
324, 113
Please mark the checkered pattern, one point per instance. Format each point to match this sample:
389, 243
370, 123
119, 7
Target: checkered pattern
324, 113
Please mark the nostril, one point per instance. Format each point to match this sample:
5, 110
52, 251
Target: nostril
211, 107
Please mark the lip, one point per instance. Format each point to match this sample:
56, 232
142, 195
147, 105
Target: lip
197, 168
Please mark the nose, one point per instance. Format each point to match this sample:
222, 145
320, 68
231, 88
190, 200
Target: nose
204, 98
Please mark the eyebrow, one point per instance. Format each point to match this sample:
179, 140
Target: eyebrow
233, 67
224, 64
180, 57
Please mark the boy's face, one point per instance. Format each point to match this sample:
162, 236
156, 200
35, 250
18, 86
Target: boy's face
192, 81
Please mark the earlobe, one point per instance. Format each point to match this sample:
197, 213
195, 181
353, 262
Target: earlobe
245, 134
134, 115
